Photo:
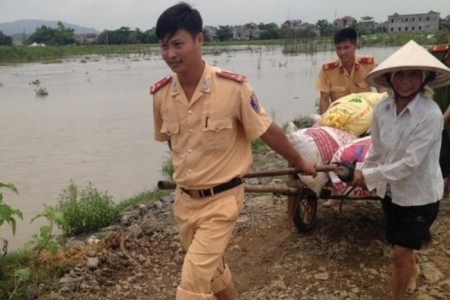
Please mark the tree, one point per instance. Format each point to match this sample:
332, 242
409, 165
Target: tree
62, 35
306, 31
269, 31
326, 28
5, 39
224, 33
444, 24
149, 37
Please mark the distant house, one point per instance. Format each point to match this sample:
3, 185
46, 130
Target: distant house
346, 21
87, 38
246, 32
424, 22
368, 23
292, 24
381, 27
210, 32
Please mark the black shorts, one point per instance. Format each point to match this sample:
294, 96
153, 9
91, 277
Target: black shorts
408, 226
444, 158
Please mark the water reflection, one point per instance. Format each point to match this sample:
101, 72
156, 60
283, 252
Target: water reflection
96, 123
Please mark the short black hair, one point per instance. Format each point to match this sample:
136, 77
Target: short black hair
176, 17
345, 34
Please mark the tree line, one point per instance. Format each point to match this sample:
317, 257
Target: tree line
63, 35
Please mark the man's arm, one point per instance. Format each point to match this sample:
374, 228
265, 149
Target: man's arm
324, 102
275, 138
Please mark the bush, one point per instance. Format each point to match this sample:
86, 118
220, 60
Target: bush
85, 210
7, 213
167, 168
258, 146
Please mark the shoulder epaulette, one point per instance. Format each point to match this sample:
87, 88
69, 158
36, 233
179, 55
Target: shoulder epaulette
440, 48
330, 65
368, 60
233, 76
154, 88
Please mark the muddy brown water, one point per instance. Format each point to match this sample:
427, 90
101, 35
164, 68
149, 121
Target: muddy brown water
96, 122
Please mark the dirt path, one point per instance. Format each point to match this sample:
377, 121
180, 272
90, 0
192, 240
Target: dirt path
345, 257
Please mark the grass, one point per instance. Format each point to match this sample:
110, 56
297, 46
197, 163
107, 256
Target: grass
25, 271
145, 197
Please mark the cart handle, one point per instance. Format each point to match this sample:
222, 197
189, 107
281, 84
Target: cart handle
340, 170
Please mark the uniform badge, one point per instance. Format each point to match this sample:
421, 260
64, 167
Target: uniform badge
254, 103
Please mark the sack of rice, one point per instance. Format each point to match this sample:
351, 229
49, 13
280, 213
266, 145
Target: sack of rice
317, 144
352, 113
354, 151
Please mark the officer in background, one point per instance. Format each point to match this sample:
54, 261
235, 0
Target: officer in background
442, 98
345, 75
209, 117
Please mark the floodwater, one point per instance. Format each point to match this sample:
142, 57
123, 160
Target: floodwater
96, 123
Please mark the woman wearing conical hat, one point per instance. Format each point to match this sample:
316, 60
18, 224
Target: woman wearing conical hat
403, 164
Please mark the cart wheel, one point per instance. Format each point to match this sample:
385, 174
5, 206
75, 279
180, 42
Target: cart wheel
305, 213
302, 209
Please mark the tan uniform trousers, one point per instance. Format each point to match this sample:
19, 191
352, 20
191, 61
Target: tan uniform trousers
205, 227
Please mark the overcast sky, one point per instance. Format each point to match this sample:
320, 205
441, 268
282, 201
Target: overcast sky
112, 14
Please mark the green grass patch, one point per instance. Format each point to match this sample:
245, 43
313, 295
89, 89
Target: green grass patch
85, 209
142, 198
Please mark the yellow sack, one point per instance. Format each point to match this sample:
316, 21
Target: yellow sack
352, 113
373, 98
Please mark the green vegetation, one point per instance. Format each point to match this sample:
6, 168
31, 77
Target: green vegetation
5, 39
7, 213
84, 210
292, 45
49, 36
22, 54
168, 169
43, 260
41, 92
258, 146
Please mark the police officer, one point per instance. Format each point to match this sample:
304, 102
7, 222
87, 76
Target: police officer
209, 117
346, 74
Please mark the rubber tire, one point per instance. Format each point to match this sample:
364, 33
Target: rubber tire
305, 214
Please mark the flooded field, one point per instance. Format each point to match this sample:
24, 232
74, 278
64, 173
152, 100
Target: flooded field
96, 122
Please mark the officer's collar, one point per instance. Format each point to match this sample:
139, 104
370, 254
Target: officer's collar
204, 84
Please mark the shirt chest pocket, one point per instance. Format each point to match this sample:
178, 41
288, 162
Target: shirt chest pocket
217, 134
363, 86
172, 129
395, 139
337, 91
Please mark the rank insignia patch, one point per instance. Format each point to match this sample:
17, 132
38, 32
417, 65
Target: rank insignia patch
254, 103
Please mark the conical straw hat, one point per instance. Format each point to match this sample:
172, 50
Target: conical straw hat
410, 57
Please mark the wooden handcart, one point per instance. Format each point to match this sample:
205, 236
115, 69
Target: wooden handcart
302, 202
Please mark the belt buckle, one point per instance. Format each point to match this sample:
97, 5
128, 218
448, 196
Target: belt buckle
195, 194
198, 194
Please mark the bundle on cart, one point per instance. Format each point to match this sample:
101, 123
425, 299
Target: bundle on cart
352, 113
317, 144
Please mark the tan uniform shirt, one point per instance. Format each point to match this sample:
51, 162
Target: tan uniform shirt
337, 82
211, 134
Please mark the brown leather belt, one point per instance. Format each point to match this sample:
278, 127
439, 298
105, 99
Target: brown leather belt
214, 190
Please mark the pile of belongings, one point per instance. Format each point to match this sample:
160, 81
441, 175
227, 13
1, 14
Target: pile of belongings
339, 135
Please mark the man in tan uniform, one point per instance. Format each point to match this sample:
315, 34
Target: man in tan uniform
208, 117
345, 75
